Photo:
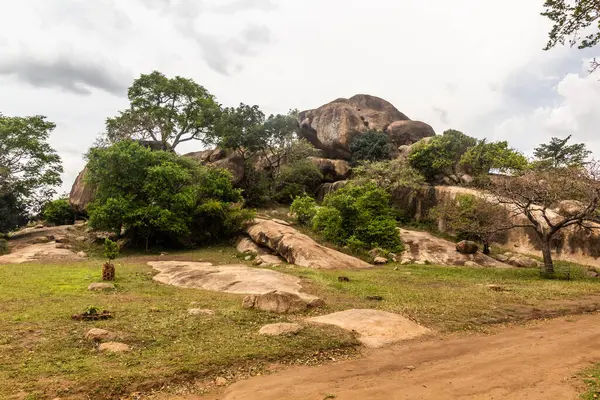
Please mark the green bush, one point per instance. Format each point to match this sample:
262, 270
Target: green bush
296, 179
359, 216
3, 247
111, 249
160, 197
256, 187
370, 146
58, 212
304, 208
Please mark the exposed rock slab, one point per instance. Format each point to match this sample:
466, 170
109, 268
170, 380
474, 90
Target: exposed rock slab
280, 329
231, 161
238, 279
332, 170
276, 301
424, 248
269, 260
82, 193
246, 245
375, 328
36, 252
299, 249
405, 133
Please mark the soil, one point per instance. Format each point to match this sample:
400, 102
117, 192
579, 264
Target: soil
538, 361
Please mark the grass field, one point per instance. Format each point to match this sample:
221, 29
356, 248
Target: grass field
43, 353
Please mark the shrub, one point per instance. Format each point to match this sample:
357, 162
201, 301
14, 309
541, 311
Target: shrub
370, 146
390, 175
296, 179
256, 187
304, 208
111, 249
359, 215
58, 212
3, 246
160, 197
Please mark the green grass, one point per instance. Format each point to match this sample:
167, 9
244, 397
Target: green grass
591, 378
43, 353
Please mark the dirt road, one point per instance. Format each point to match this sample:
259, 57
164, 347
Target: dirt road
538, 361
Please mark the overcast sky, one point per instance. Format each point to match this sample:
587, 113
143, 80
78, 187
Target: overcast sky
472, 65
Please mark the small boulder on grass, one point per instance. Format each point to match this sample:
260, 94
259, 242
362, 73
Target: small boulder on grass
113, 347
380, 261
467, 247
99, 335
101, 286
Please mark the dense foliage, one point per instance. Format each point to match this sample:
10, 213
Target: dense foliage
111, 249
359, 216
486, 156
159, 197
166, 110
441, 154
58, 212
559, 154
304, 208
295, 179
29, 167
391, 175
370, 146
3, 246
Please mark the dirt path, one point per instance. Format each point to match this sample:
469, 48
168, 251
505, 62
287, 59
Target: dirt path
538, 361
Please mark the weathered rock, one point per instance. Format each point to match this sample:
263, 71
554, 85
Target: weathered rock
61, 239
82, 254
518, 260
333, 126
80, 239
201, 312
269, 260
113, 347
233, 162
467, 247
61, 246
280, 329
332, 170
403, 133
380, 260
299, 249
82, 193
238, 278
220, 381
466, 179
276, 301
329, 187
40, 240
375, 328
569, 208
245, 245
99, 335
424, 248
99, 286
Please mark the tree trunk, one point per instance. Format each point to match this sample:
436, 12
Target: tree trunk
486, 248
548, 269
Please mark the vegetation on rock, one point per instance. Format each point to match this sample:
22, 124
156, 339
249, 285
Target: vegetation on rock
58, 212
391, 175
304, 208
370, 146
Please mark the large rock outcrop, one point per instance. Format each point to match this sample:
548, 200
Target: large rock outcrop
333, 126
299, 249
332, 170
82, 193
405, 133
231, 161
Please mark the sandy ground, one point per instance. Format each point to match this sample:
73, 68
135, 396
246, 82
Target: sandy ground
537, 361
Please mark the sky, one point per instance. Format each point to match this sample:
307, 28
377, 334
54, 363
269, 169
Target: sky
472, 65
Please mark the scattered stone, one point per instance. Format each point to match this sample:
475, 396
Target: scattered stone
343, 279
375, 328
99, 335
113, 347
200, 311
467, 247
280, 329
80, 239
380, 261
99, 286
517, 260
61, 239
276, 301
248, 258
40, 240
375, 298
82, 254
220, 381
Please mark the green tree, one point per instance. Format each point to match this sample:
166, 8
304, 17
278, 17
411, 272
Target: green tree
159, 197
391, 175
559, 154
360, 215
370, 146
58, 212
13, 213
29, 166
487, 156
295, 179
441, 154
576, 22
167, 110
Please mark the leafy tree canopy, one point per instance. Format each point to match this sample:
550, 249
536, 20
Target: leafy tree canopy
370, 146
391, 175
576, 22
58, 212
29, 166
559, 154
167, 110
486, 156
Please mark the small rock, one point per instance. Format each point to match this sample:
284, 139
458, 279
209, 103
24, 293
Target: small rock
113, 347
248, 258
40, 240
39, 226
376, 252
380, 261
472, 264
316, 303
395, 268
201, 311
101, 286
276, 301
467, 247
220, 381
61, 246
343, 279
82, 254
99, 335
61, 239
280, 329
410, 367
80, 239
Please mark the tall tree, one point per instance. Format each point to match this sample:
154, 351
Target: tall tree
167, 110
533, 197
487, 156
29, 166
576, 22
558, 154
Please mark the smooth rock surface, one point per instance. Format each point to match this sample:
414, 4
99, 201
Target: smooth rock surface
113, 347
375, 328
299, 249
235, 278
280, 329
